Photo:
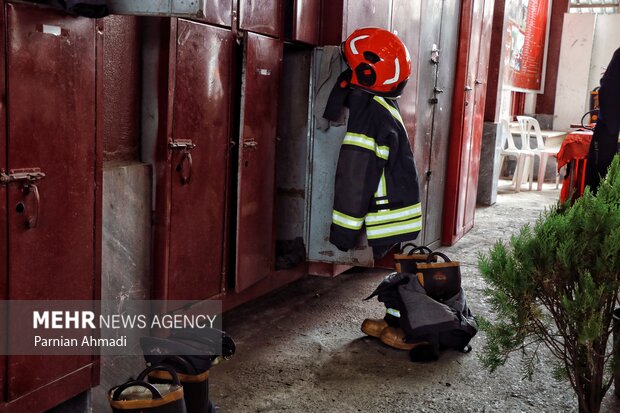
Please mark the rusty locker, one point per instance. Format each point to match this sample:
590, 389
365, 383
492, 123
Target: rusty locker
261, 16
201, 79
437, 59
256, 169
466, 135
53, 194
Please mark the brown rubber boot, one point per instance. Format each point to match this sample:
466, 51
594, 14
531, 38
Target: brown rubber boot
374, 327
395, 337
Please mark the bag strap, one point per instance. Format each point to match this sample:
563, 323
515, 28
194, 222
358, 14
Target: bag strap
120, 389
423, 249
429, 259
146, 371
409, 244
172, 359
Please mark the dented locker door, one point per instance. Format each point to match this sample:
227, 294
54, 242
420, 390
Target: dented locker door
51, 126
218, 12
256, 172
260, 16
200, 147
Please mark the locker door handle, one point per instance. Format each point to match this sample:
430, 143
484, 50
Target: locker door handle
32, 221
186, 174
185, 164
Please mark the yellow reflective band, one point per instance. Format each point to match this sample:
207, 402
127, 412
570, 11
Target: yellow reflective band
382, 217
347, 221
381, 189
389, 230
393, 312
366, 142
390, 108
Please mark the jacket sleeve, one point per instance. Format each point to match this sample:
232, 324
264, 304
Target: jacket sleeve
360, 165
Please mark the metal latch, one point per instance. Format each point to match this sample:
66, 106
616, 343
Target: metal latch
22, 175
435, 54
185, 164
27, 178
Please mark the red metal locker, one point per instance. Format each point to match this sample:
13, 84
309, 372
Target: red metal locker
480, 86
3, 212
52, 225
306, 15
202, 102
260, 16
218, 12
467, 119
255, 255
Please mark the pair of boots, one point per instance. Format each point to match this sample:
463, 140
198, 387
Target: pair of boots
392, 336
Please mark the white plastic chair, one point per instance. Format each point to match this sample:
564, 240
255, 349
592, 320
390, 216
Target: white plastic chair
521, 155
529, 126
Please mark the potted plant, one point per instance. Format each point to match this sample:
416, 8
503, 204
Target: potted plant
556, 284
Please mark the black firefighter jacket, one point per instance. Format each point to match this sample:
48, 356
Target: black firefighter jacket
605, 139
376, 180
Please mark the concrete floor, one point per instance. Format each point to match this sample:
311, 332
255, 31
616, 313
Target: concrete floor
301, 349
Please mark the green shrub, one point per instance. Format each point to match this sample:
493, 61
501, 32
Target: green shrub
556, 284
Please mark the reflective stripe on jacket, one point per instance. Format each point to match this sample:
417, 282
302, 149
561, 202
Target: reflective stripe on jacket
376, 180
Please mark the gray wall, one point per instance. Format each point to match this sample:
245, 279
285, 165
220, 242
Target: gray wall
126, 258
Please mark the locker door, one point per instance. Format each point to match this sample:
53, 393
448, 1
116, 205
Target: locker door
3, 201
305, 22
260, 16
256, 173
438, 43
218, 12
480, 90
466, 135
367, 13
201, 117
406, 25
51, 126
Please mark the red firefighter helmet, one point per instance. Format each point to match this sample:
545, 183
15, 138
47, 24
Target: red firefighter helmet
379, 60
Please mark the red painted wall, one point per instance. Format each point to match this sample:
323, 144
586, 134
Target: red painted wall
121, 88
545, 103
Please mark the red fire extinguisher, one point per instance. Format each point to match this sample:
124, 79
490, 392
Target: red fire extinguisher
594, 105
